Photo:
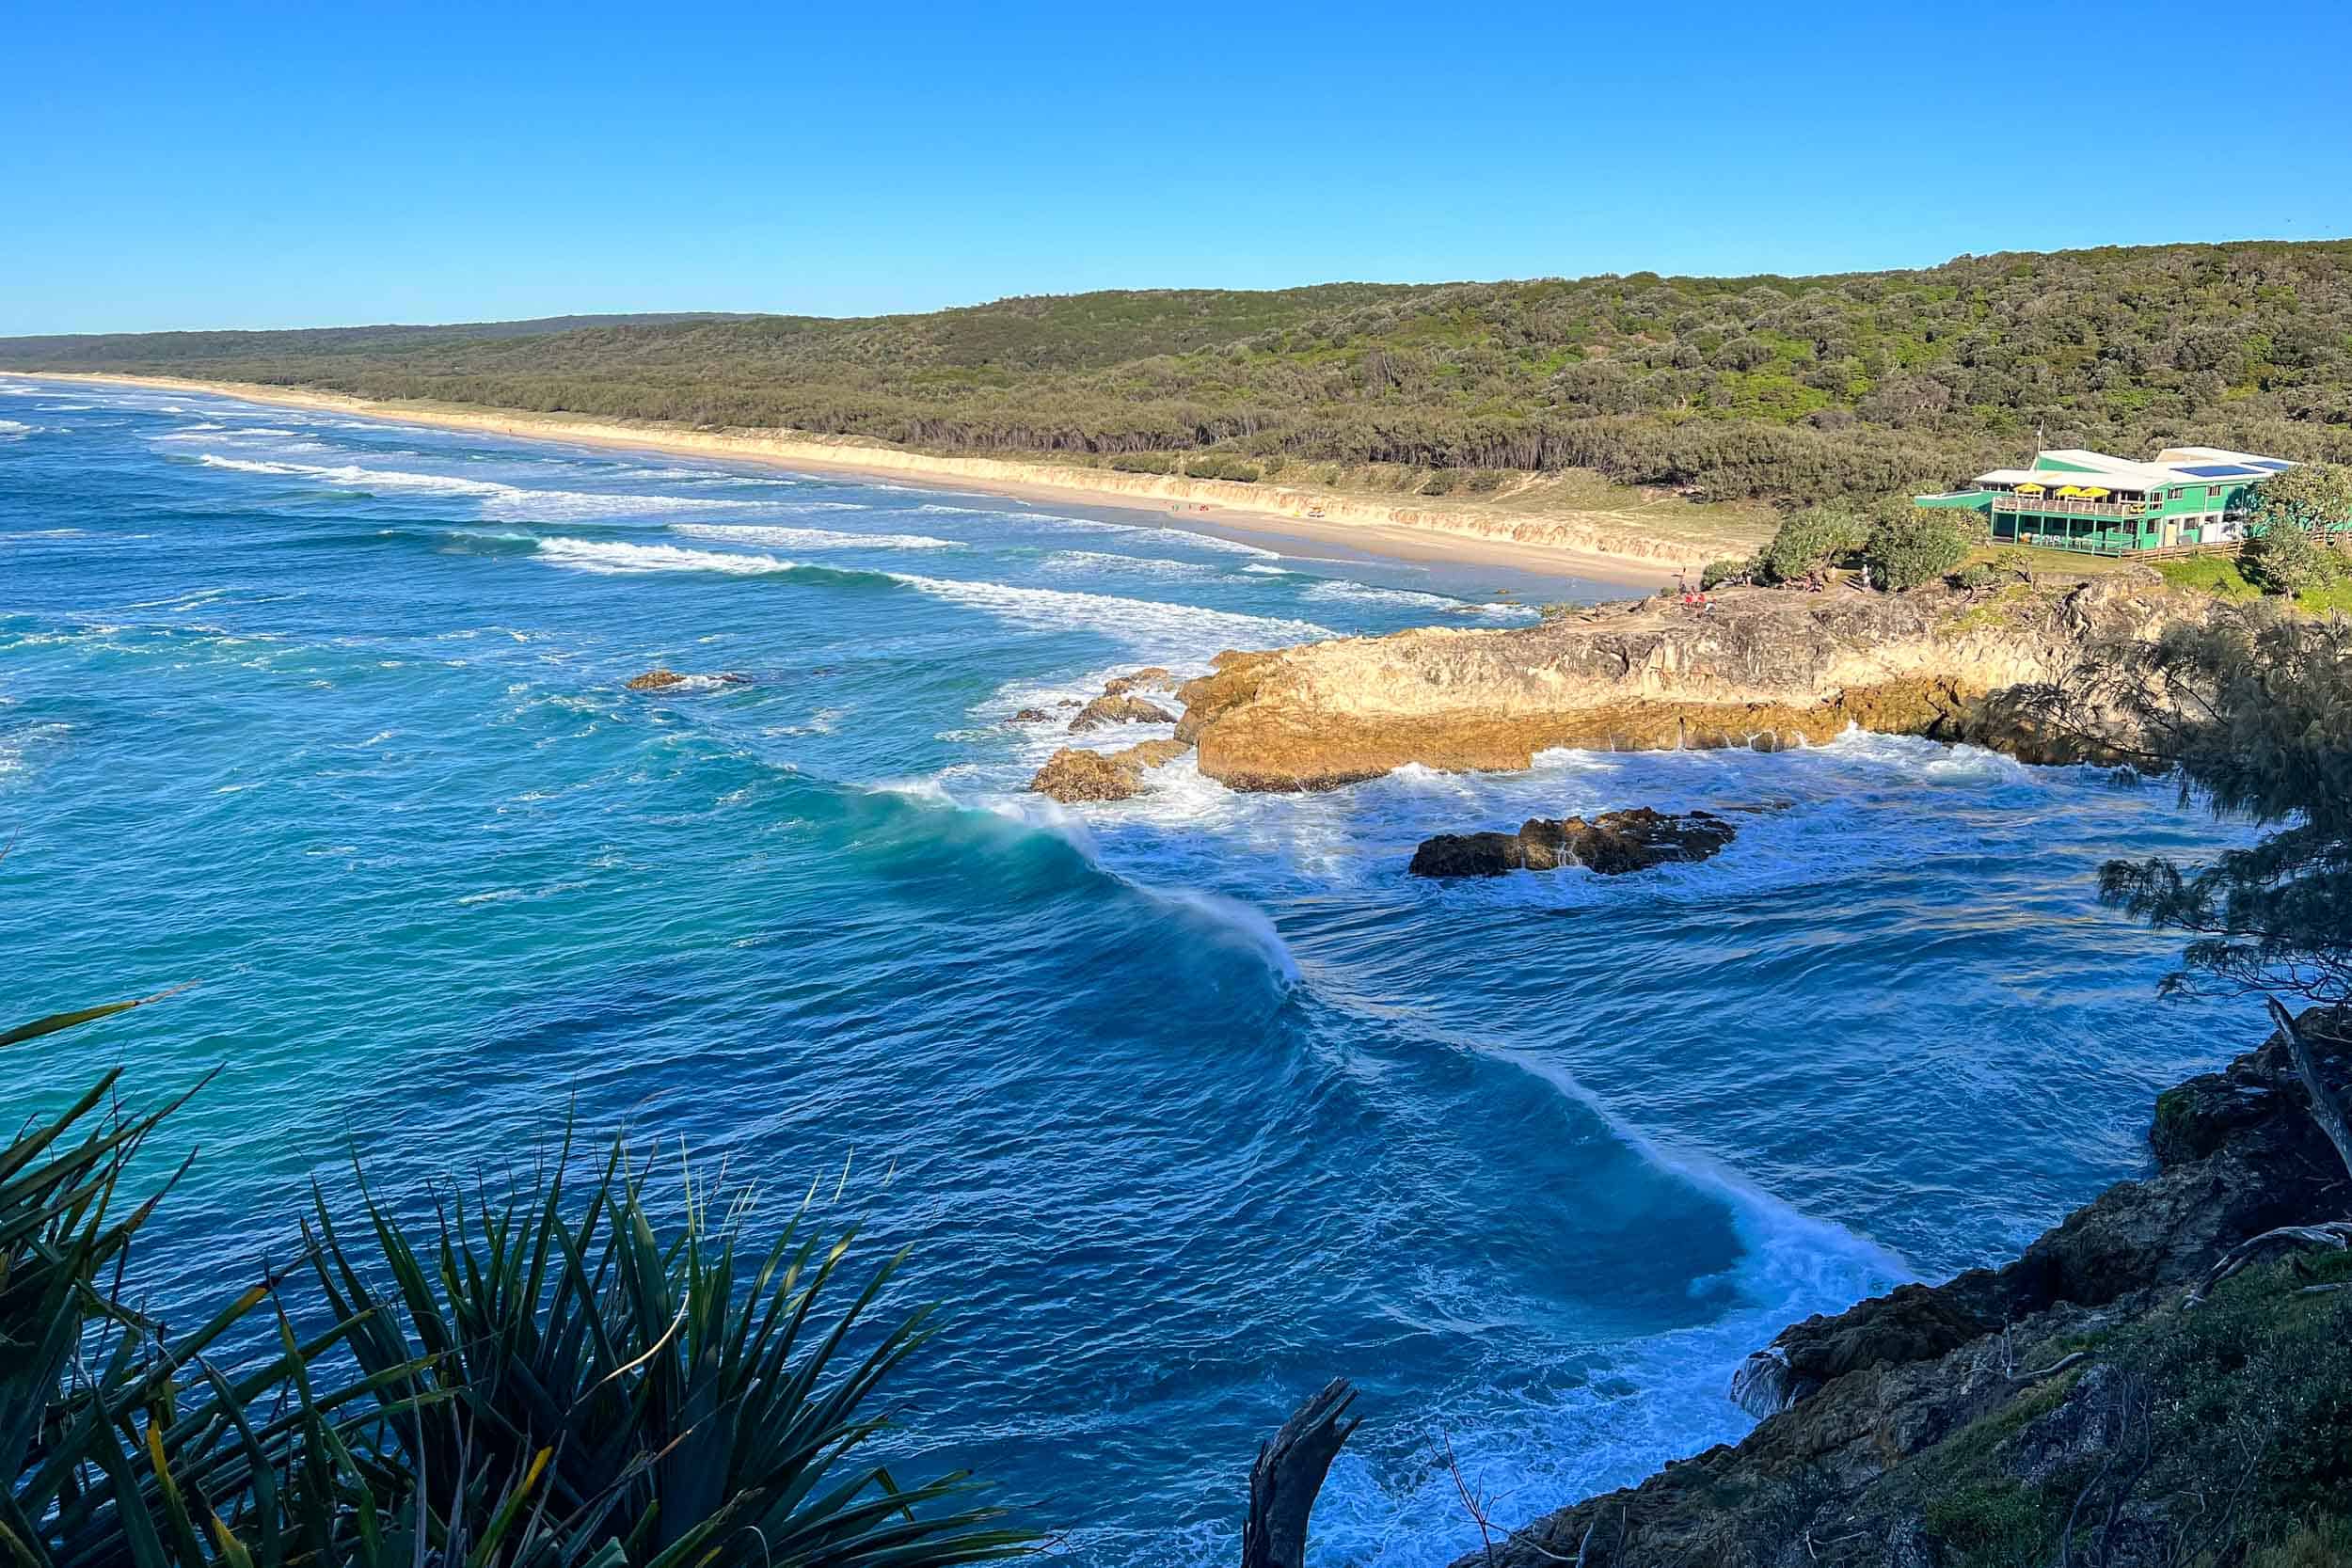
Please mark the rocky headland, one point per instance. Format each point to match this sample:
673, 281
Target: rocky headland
1758, 668
1764, 669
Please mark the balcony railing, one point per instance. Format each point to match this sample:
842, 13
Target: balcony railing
2069, 506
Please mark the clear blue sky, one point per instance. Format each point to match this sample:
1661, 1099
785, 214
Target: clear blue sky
233, 165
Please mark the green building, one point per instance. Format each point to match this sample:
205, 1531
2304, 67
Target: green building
2073, 500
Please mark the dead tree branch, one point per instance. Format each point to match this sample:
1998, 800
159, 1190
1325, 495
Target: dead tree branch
1289, 1472
2325, 1109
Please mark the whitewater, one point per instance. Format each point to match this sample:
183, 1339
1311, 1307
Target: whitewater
1185, 1104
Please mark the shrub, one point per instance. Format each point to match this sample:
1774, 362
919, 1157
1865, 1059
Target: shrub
1811, 539
2288, 558
1213, 467
1442, 483
1909, 545
1981, 576
1145, 462
1715, 574
1485, 481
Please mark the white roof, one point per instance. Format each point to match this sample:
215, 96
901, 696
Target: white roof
2174, 466
2121, 471
2216, 455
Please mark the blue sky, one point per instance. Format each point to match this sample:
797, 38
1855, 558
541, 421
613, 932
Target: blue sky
235, 165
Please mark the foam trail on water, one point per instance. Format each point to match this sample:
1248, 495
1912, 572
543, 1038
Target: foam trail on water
611, 558
811, 538
514, 501
1179, 629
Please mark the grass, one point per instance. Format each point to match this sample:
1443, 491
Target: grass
2250, 1391
2218, 576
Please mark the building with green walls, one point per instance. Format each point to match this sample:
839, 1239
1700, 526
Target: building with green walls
2073, 500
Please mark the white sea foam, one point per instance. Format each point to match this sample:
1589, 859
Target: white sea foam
611, 556
811, 538
1263, 570
1097, 562
1175, 629
513, 503
1344, 589
10, 429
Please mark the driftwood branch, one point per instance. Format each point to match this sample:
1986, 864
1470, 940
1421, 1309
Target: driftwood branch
2333, 1234
2325, 1109
2061, 1364
1289, 1472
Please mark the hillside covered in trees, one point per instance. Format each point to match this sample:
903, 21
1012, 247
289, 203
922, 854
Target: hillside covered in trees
1793, 389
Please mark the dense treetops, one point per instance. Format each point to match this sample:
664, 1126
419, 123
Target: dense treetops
1859, 385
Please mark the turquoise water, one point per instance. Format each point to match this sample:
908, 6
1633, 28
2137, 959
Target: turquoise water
1190, 1103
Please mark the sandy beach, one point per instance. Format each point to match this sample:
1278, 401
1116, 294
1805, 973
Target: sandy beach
1588, 545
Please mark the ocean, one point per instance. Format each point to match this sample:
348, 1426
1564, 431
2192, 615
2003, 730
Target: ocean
1186, 1104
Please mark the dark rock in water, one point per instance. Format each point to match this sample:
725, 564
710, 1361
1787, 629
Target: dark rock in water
1468, 855
1120, 709
661, 679
1611, 843
1635, 840
1032, 716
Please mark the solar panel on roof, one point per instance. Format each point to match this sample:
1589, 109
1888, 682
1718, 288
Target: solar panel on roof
2273, 465
2217, 470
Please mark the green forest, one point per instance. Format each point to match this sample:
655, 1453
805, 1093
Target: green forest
1792, 390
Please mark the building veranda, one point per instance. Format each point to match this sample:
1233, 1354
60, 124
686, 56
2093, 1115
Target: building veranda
2075, 499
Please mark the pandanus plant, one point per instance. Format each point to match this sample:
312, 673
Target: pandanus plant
558, 1386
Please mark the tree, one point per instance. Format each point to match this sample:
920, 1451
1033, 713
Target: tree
1811, 539
1914, 544
2252, 713
2313, 495
2287, 557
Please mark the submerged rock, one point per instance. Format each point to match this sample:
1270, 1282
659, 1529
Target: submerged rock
1609, 844
1119, 708
661, 679
1032, 716
1076, 777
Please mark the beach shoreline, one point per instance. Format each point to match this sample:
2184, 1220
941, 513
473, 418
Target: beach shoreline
1570, 547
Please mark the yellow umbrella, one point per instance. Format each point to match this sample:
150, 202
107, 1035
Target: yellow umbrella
2091, 492
2068, 490
2029, 489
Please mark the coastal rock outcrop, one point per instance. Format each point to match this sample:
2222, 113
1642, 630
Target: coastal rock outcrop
1076, 777
1120, 708
663, 679
1152, 679
1759, 668
2070, 1388
1612, 843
